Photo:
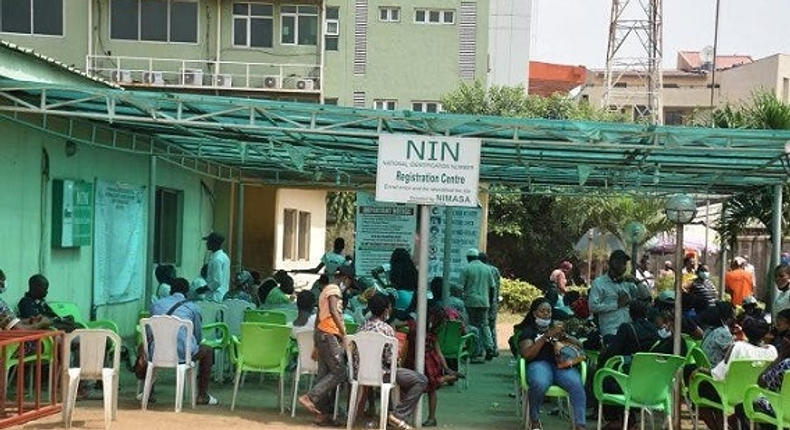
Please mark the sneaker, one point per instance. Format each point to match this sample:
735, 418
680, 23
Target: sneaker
151, 398
209, 400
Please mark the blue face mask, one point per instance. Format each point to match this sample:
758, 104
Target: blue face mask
542, 323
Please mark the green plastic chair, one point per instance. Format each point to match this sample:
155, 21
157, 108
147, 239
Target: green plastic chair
13, 360
780, 402
217, 337
648, 385
351, 327
697, 356
263, 348
267, 317
70, 309
553, 391
741, 375
457, 346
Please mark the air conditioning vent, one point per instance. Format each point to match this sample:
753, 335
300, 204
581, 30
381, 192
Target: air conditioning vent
153, 78
332, 27
305, 84
272, 82
121, 76
225, 80
192, 77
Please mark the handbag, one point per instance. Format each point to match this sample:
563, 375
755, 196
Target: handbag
568, 354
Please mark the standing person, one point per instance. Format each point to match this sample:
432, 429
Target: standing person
410, 383
749, 268
738, 282
702, 292
559, 277
537, 336
477, 281
610, 295
218, 271
493, 308
331, 260
644, 276
176, 304
782, 297
330, 339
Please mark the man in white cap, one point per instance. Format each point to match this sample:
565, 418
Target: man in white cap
218, 273
477, 282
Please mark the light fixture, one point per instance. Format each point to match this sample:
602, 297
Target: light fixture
681, 209
634, 233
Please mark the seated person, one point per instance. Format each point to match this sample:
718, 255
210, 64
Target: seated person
240, 287
282, 294
33, 306
305, 318
537, 336
718, 336
780, 333
177, 305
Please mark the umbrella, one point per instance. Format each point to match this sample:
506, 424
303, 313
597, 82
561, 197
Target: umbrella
600, 241
693, 238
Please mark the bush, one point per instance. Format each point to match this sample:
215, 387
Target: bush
517, 295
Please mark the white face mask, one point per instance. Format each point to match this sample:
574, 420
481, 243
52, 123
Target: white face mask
664, 333
542, 323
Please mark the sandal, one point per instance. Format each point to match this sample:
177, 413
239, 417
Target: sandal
397, 423
208, 400
536, 425
431, 422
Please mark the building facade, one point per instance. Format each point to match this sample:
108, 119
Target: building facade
362, 53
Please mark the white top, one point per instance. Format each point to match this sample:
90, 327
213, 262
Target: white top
781, 302
218, 275
743, 350
308, 326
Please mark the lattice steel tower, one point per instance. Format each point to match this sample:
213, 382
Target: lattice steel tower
633, 59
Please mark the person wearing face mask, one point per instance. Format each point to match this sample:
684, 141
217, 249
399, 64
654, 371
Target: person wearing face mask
702, 292
330, 338
611, 294
536, 335
782, 296
780, 333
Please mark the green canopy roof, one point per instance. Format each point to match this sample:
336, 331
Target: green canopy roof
302, 144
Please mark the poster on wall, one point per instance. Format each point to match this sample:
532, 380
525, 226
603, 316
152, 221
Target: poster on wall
381, 227
465, 234
119, 243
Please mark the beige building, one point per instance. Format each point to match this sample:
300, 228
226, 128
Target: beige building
766, 74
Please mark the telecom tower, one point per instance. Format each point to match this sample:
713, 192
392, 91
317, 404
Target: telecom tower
633, 59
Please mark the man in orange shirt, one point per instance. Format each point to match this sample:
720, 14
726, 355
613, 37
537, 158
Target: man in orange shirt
738, 282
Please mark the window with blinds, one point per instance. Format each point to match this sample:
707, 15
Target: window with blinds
467, 49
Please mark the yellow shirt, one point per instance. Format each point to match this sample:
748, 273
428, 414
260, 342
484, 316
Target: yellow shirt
325, 321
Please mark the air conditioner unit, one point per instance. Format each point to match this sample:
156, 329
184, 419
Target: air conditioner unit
306, 84
225, 80
153, 78
123, 76
331, 27
272, 82
192, 77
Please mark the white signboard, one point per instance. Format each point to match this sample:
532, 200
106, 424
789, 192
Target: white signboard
466, 224
431, 170
381, 227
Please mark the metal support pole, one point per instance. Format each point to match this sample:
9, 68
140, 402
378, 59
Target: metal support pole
149, 265
422, 299
448, 254
776, 246
240, 227
676, 332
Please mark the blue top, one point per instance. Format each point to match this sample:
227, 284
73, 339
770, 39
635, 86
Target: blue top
188, 311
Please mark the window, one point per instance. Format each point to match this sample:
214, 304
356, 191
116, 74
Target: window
389, 14
332, 29
431, 107
154, 21
296, 235
384, 104
35, 17
434, 16
299, 25
167, 231
253, 25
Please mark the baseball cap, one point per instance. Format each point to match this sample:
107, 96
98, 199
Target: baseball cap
214, 237
619, 255
472, 252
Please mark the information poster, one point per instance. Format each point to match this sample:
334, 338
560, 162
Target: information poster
466, 224
381, 227
119, 245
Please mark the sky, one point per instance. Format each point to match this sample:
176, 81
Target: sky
575, 32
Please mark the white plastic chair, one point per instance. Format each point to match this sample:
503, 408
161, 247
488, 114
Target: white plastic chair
305, 365
93, 346
164, 332
368, 348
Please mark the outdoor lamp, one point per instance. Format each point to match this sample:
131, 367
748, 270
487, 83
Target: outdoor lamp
634, 233
681, 209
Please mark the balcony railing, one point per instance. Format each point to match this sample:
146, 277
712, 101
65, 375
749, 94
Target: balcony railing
214, 75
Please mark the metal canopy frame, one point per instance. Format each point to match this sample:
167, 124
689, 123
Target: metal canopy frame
312, 145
